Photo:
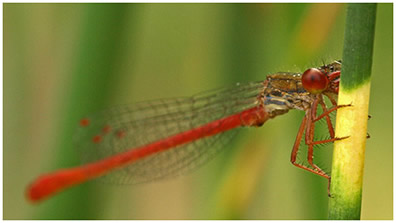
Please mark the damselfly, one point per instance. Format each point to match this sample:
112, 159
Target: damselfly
155, 139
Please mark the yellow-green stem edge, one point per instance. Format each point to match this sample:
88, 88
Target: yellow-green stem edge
348, 156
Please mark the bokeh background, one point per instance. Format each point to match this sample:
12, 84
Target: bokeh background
63, 61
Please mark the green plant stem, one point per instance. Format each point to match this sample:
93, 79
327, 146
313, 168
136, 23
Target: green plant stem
348, 157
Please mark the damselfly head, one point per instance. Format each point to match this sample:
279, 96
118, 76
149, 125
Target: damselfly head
314, 81
325, 78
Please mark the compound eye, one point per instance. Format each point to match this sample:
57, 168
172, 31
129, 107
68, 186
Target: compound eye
314, 81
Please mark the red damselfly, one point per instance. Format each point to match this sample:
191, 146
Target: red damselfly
155, 139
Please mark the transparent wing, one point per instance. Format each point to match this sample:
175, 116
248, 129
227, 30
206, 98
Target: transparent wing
131, 126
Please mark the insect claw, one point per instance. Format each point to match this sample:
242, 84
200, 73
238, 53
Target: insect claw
343, 106
369, 117
328, 189
367, 136
341, 138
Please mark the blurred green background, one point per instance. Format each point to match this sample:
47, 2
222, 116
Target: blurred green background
63, 61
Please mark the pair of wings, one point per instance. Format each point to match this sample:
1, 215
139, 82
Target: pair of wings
147, 122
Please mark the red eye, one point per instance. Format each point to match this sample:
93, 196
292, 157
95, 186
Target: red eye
314, 81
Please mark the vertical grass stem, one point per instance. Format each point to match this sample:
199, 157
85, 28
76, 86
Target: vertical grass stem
348, 156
